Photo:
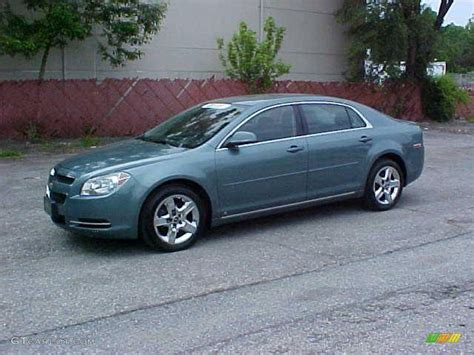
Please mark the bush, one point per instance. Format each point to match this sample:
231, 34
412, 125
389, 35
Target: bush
440, 97
252, 62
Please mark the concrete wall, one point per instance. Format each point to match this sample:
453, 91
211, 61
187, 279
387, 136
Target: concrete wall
314, 45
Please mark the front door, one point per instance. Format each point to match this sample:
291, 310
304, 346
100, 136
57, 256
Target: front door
269, 173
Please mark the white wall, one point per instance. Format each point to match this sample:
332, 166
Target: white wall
314, 45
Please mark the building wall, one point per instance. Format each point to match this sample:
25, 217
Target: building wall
314, 44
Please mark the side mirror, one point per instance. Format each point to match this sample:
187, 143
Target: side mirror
240, 138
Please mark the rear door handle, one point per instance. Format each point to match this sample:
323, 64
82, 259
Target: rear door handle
295, 149
365, 139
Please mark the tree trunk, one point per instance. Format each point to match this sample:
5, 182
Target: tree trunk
417, 59
44, 60
411, 11
444, 7
411, 59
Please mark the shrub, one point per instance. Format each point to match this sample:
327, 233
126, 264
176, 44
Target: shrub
33, 131
252, 62
89, 141
440, 97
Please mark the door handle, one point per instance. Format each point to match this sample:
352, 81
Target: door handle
295, 149
365, 139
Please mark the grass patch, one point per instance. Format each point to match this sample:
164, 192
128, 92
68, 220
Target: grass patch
18, 149
10, 154
89, 141
470, 119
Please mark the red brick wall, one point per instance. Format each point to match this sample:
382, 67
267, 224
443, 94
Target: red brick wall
128, 107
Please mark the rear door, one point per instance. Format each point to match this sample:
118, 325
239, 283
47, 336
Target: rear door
338, 144
268, 173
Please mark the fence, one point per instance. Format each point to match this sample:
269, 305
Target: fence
464, 80
120, 107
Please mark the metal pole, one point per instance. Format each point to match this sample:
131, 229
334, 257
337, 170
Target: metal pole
63, 62
262, 20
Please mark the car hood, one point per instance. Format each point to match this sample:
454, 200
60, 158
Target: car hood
119, 155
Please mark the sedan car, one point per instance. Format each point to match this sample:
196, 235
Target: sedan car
232, 159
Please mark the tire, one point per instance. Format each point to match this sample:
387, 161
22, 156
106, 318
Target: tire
383, 191
173, 218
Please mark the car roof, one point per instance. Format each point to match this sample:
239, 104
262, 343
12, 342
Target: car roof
257, 102
272, 99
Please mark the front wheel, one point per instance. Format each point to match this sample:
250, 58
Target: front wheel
384, 186
173, 218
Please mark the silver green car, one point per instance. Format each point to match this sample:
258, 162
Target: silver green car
232, 159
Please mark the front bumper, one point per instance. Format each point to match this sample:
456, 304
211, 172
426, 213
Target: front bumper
114, 216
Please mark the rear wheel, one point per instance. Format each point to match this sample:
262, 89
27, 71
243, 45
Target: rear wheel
384, 186
173, 218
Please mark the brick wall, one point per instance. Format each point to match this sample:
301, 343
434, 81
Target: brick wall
118, 107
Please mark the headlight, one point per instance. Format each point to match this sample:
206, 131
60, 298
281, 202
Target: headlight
104, 185
52, 172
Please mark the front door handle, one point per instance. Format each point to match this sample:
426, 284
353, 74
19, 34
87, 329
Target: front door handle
295, 149
365, 139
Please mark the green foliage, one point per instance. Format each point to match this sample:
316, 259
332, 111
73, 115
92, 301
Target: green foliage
252, 62
456, 47
17, 36
32, 131
371, 27
90, 141
10, 154
393, 31
440, 97
123, 25
126, 25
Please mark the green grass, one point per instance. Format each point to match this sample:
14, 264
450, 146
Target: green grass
10, 154
470, 119
18, 149
89, 141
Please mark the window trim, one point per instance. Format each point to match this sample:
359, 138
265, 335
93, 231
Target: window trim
299, 128
305, 133
304, 117
350, 119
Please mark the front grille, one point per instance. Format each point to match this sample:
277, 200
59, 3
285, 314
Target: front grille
63, 179
58, 197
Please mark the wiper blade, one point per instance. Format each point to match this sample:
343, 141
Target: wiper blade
157, 141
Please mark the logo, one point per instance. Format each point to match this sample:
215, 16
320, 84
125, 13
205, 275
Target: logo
442, 338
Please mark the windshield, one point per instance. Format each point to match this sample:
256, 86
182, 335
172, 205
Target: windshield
193, 127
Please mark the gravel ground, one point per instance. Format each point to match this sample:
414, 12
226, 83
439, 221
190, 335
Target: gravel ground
330, 279
458, 126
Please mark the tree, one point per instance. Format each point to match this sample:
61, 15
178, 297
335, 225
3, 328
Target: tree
251, 62
394, 31
124, 26
456, 47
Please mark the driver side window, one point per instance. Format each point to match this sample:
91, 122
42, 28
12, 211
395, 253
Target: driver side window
276, 123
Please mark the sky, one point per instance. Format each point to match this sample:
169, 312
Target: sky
460, 12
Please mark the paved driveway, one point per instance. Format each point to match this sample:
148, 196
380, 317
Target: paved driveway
329, 278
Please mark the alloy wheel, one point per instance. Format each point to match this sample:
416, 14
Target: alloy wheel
387, 184
176, 219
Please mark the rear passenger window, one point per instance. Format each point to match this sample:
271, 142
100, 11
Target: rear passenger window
322, 118
272, 124
356, 121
